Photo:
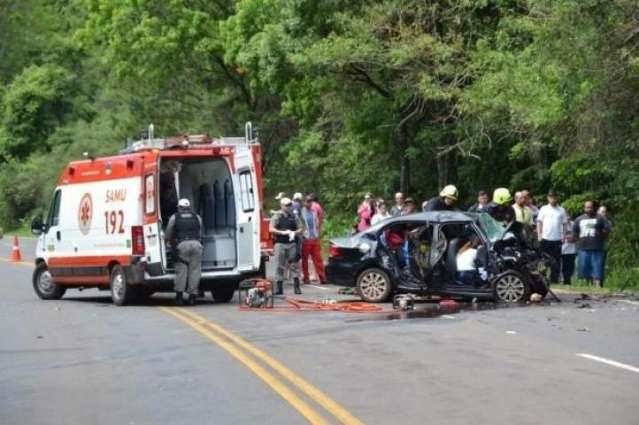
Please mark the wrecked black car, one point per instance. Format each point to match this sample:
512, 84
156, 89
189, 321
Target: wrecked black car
452, 254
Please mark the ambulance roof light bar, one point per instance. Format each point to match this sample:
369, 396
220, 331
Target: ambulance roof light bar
150, 142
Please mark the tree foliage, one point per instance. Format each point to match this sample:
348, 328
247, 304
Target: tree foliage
349, 96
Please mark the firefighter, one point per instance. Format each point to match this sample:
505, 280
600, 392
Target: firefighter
184, 233
286, 228
445, 201
501, 209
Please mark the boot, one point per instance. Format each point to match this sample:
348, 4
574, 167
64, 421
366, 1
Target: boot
280, 288
178, 298
296, 286
192, 299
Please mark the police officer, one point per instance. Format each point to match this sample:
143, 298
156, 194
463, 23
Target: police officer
184, 232
286, 228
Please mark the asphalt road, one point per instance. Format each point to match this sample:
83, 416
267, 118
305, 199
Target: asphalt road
81, 360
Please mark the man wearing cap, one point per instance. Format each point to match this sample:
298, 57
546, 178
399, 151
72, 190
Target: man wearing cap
184, 233
551, 230
445, 201
286, 228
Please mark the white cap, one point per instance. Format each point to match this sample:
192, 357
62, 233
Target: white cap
184, 203
298, 196
280, 196
285, 201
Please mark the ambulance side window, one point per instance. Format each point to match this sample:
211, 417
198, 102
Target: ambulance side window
246, 191
54, 212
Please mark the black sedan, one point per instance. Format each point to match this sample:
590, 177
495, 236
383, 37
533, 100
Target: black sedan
444, 253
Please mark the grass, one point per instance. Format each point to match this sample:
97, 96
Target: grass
619, 279
21, 232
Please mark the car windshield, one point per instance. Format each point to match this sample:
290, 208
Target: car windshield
494, 229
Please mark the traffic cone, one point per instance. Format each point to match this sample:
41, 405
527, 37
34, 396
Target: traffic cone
16, 256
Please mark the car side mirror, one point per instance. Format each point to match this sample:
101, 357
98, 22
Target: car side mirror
37, 225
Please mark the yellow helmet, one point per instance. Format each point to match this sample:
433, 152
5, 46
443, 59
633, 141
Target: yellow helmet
449, 191
502, 196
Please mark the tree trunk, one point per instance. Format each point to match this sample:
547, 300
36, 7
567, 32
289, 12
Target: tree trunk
447, 164
404, 162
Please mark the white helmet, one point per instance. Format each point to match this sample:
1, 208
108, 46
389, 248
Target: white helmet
184, 203
298, 196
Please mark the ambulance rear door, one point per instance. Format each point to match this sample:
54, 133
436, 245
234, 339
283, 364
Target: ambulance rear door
248, 211
153, 241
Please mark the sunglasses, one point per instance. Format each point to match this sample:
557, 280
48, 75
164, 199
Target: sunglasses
288, 205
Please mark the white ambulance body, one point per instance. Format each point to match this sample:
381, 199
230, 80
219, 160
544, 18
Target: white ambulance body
105, 226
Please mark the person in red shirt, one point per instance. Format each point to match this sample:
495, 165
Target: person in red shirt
311, 245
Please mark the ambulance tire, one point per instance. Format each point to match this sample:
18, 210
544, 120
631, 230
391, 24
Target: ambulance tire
223, 293
44, 286
121, 292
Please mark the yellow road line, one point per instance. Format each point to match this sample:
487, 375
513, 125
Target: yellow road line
17, 263
311, 391
301, 406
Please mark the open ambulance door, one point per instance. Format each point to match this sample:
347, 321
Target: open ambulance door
153, 237
248, 211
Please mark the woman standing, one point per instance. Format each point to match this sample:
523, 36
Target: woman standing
365, 213
381, 214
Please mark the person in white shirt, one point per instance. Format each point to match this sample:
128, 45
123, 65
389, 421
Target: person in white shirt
468, 272
552, 222
381, 213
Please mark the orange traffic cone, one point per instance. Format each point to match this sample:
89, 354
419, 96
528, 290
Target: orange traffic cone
16, 256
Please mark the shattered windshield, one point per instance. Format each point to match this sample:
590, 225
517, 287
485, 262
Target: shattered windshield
494, 229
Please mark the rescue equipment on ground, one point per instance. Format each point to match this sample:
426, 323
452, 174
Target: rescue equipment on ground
404, 302
448, 304
256, 293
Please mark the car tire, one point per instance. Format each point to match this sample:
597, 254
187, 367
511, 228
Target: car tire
121, 291
512, 287
374, 285
44, 286
223, 293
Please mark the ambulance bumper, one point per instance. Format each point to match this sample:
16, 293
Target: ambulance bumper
135, 272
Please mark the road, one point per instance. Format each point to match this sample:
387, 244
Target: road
82, 360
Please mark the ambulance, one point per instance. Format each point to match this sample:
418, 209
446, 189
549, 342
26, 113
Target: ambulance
105, 226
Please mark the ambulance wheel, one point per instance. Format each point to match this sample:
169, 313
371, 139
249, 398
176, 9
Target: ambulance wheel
121, 292
223, 294
44, 286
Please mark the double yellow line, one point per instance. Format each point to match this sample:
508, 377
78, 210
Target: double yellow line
251, 356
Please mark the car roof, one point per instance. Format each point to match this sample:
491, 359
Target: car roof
435, 217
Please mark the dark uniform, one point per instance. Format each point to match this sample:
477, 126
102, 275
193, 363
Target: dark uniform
438, 204
286, 251
184, 231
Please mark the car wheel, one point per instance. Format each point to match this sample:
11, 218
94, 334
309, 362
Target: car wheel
223, 294
374, 285
43, 284
512, 287
121, 292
